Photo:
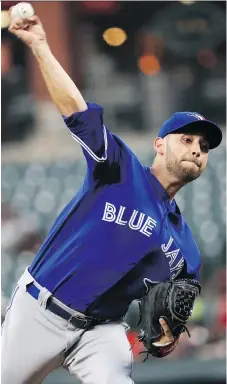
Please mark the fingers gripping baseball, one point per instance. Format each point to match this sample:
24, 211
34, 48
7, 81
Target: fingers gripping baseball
29, 30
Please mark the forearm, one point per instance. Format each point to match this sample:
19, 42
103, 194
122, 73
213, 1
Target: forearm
62, 89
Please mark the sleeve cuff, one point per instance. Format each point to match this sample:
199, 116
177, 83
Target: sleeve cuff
78, 117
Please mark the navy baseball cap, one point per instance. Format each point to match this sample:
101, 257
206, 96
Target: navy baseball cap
192, 122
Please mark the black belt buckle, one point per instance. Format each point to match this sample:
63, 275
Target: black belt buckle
80, 322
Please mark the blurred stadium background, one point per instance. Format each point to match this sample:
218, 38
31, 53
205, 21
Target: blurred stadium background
142, 61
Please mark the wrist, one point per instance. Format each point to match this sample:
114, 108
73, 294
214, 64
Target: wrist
40, 48
158, 344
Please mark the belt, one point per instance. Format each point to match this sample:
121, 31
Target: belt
77, 321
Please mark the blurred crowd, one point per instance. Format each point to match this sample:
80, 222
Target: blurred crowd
21, 238
173, 50
17, 120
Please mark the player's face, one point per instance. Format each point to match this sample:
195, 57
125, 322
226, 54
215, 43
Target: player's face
186, 155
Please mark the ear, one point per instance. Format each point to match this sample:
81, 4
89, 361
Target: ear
159, 145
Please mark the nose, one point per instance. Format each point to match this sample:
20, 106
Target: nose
196, 154
196, 150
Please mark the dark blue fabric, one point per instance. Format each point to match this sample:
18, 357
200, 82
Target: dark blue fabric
119, 229
33, 290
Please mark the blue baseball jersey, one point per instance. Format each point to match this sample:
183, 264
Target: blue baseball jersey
119, 230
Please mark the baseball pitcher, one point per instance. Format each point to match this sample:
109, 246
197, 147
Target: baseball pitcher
122, 237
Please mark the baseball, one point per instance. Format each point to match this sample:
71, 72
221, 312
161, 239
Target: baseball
22, 11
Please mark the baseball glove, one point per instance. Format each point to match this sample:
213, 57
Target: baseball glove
173, 301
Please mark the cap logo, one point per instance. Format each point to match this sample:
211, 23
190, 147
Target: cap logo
199, 117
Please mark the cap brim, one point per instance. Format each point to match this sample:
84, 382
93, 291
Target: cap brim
211, 130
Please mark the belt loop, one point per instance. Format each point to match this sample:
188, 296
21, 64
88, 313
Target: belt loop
44, 295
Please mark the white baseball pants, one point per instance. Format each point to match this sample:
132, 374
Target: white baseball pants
36, 341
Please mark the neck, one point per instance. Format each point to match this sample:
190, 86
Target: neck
168, 181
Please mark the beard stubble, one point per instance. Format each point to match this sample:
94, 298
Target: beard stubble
176, 169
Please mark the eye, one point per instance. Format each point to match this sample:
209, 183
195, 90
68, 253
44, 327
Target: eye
204, 147
187, 140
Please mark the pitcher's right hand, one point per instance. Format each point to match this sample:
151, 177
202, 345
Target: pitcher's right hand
29, 30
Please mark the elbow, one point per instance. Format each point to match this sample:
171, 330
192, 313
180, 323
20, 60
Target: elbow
71, 105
